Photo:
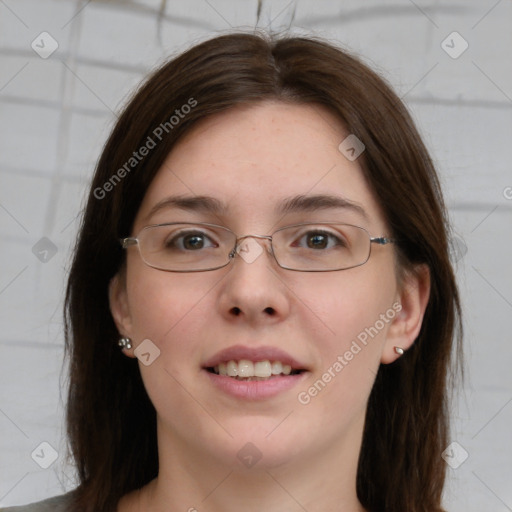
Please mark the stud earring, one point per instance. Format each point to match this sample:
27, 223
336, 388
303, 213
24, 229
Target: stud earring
125, 343
399, 351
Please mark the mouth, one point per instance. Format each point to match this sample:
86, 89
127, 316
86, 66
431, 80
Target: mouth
254, 373
246, 370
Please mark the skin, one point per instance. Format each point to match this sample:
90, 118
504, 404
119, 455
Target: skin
252, 158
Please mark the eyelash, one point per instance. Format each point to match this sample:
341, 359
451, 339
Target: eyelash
170, 242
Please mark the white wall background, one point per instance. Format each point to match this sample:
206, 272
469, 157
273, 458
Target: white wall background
55, 113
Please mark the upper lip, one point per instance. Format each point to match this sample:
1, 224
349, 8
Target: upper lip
254, 354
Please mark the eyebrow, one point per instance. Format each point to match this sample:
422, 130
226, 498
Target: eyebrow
299, 203
311, 203
204, 204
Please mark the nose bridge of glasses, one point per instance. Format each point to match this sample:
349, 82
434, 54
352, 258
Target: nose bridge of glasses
264, 237
239, 241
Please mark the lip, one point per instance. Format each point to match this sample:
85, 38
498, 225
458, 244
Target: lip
255, 389
254, 354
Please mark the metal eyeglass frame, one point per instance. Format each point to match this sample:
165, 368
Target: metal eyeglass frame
131, 241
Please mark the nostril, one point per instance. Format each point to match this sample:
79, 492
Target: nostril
236, 311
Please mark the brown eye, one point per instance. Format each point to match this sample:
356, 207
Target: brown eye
321, 239
317, 241
189, 241
193, 242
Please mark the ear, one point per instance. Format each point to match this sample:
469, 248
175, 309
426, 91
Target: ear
412, 300
119, 308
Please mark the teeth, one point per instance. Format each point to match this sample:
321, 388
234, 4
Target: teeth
277, 367
232, 369
246, 369
262, 369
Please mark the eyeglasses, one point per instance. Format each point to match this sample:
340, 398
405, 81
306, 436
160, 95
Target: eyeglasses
199, 247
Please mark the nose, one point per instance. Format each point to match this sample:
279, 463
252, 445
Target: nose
253, 291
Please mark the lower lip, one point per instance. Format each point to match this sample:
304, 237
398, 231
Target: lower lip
255, 389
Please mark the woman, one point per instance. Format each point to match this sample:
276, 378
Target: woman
261, 306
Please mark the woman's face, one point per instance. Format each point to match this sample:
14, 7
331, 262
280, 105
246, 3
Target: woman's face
337, 326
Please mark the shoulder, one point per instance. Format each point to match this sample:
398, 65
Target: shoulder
55, 504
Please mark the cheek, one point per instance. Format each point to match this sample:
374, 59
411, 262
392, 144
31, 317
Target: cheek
356, 312
351, 301
168, 308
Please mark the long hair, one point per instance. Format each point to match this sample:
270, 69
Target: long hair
111, 422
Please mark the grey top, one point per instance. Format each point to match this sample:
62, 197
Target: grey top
55, 504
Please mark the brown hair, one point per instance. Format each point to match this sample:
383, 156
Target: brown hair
111, 421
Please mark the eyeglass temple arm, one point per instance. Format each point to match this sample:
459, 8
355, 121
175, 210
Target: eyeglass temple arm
126, 242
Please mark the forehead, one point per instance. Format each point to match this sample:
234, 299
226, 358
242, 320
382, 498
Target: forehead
252, 158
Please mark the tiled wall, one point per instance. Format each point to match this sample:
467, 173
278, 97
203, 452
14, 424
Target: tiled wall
55, 114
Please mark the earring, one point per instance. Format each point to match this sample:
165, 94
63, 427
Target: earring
125, 343
399, 351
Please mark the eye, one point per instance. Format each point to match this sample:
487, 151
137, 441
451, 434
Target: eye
320, 239
189, 241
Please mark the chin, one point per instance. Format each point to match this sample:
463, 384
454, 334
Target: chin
262, 443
